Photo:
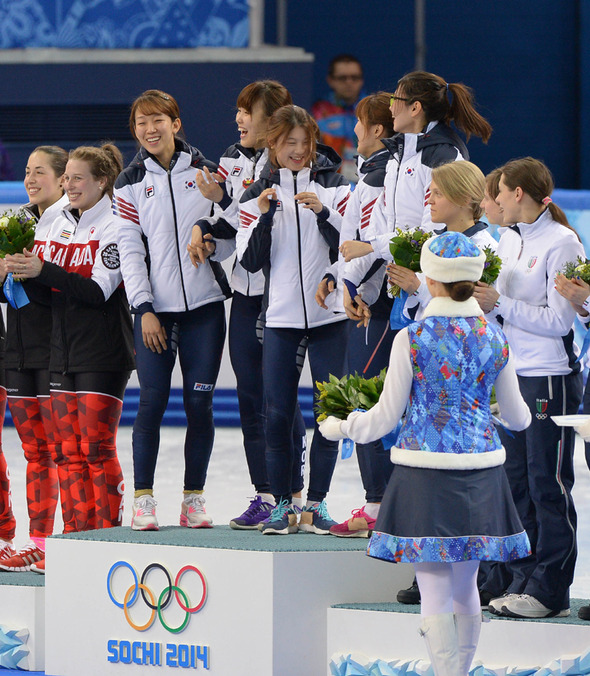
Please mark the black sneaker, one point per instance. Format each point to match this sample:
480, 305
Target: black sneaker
584, 613
409, 596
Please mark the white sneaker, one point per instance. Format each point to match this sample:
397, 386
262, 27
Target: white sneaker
525, 605
144, 513
192, 512
495, 605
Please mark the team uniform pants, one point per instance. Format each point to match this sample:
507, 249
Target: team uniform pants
540, 469
245, 351
30, 408
7, 520
374, 460
197, 336
86, 409
283, 356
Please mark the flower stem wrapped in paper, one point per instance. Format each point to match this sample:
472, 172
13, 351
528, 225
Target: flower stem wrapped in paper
405, 247
17, 232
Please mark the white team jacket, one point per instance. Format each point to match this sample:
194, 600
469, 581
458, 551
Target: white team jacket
240, 167
293, 247
537, 319
155, 211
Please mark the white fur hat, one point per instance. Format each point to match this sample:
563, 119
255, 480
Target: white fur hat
452, 257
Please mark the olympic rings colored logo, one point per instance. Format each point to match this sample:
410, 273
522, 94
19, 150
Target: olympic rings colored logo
163, 600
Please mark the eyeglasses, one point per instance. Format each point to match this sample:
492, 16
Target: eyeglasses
342, 78
394, 98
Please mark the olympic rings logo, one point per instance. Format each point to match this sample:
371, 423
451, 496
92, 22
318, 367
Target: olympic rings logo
149, 598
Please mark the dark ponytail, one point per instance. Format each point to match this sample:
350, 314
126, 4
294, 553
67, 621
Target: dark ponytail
449, 102
535, 179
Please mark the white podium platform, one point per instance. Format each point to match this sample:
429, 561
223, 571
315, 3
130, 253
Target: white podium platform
373, 634
258, 603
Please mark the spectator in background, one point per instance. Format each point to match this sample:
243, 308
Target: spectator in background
6, 173
336, 116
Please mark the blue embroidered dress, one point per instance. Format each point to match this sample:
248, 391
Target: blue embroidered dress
448, 498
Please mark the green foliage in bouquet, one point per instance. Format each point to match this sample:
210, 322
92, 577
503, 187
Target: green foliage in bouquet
339, 397
17, 232
492, 266
405, 247
580, 268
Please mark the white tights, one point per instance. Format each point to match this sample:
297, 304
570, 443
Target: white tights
448, 588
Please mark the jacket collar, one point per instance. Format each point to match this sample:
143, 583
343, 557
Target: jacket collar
444, 306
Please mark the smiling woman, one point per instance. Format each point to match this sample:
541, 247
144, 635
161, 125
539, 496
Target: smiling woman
91, 356
177, 305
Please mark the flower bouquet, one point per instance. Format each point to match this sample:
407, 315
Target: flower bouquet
580, 268
17, 232
492, 266
405, 247
341, 396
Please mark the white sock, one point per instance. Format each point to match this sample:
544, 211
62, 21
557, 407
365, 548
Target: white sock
372, 509
298, 502
267, 497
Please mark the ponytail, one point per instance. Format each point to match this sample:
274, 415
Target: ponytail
449, 102
535, 179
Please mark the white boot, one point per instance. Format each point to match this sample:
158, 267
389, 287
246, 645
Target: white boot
440, 634
468, 630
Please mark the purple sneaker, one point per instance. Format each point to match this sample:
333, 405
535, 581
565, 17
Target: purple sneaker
257, 511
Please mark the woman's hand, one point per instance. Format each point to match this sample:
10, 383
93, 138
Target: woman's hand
3, 270
24, 266
263, 199
325, 288
575, 290
153, 333
352, 248
486, 296
208, 184
356, 309
200, 247
404, 278
309, 200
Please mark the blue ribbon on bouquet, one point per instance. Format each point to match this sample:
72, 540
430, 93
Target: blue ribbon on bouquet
15, 292
585, 347
396, 318
389, 440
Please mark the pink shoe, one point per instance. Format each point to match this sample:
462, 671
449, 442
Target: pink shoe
360, 525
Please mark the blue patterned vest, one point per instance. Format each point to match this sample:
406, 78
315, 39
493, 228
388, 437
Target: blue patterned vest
455, 361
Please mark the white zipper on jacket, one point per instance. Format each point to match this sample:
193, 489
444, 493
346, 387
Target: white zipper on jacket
299, 250
169, 172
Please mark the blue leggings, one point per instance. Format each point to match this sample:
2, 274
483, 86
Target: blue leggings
198, 337
374, 461
283, 354
245, 351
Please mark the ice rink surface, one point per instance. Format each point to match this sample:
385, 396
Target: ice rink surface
228, 487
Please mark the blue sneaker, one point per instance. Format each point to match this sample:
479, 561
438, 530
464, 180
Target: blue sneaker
282, 521
296, 510
315, 519
257, 511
